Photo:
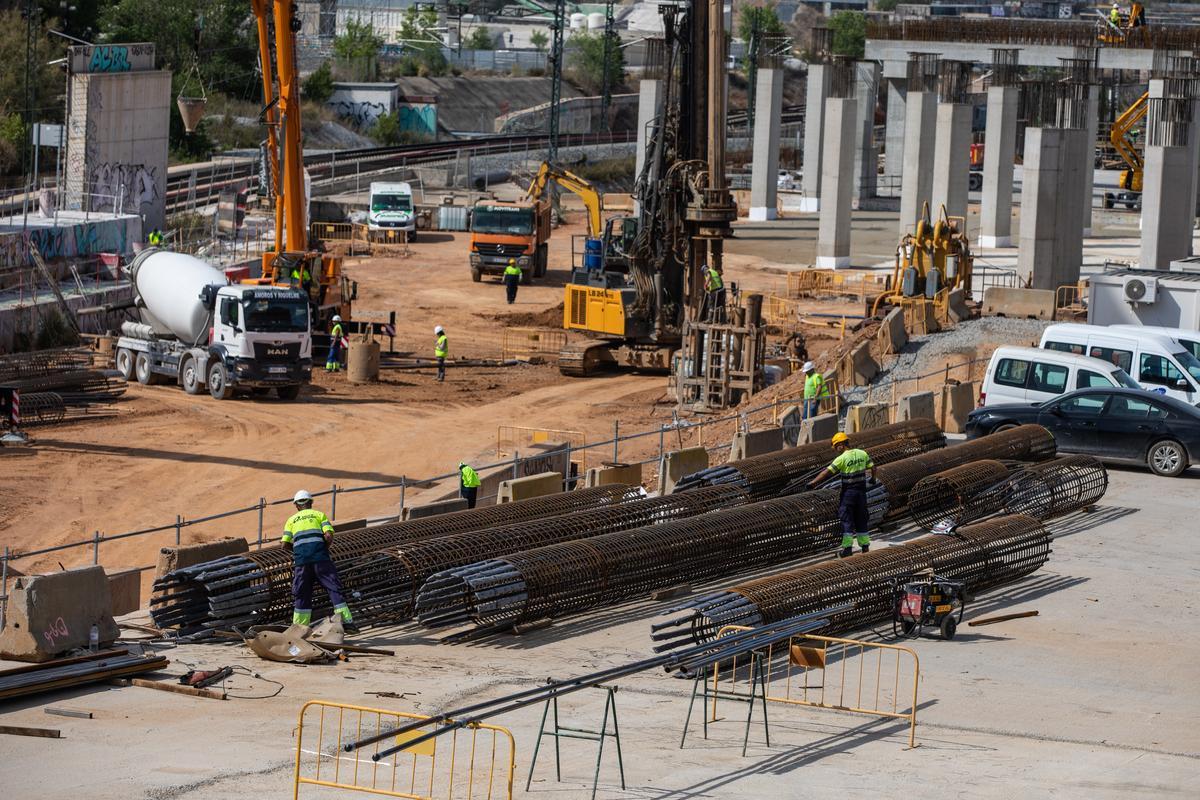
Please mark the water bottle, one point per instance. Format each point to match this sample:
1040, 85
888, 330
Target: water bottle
94, 639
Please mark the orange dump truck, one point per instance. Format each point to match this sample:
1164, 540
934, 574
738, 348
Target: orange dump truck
501, 230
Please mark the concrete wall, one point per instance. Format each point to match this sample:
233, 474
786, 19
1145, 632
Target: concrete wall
117, 128
575, 115
362, 104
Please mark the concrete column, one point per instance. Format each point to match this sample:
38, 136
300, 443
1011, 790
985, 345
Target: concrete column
951, 160
866, 158
1092, 130
1076, 164
917, 182
1167, 207
837, 182
649, 93
819, 76
1040, 189
1000, 146
768, 106
893, 161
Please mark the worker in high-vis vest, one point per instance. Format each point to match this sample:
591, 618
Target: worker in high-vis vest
714, 295
851, 465
308, 534
155, 238
333, 361
815, 388
468, 484
512, 279
441, 349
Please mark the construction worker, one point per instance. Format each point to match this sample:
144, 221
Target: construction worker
852, 465
301, 276
512, 278
155, 238
468, 483
714, 295
333, 361
1114, 16
815, 388
308, 534
441, 349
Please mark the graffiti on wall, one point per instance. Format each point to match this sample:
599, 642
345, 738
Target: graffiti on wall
362, 114
112, 58
69, 241
125, 188
418, 117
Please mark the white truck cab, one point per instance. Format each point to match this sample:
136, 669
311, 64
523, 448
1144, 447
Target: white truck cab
391, 208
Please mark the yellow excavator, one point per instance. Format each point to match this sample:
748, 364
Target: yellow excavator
1123, 139
548, 173
932, 261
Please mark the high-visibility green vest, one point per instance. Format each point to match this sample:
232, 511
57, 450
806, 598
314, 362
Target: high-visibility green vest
155, 238
814, 386
442, 348
302, 277
306, 530
337, 330
714, 281
469, 477
512, 269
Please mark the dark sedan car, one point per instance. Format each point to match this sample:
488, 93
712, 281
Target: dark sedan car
1126, 425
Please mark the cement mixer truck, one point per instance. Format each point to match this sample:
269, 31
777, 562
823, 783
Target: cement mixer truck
196, 329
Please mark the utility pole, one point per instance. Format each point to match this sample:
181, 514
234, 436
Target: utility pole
32, 13
556, 68
610, 44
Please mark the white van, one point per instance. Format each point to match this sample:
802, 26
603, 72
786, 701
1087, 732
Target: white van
392, 209
1159, 363
1189, 339
1032, 375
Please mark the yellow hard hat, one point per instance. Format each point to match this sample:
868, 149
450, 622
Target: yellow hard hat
839, 438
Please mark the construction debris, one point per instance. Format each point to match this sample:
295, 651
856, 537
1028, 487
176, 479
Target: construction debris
44, 733
63, 673
1002, 618
67, 712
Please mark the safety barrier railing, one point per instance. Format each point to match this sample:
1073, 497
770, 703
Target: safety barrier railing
883, 688
525, 343
832, 283
1071, 297
475, 762
511, 439
332, 231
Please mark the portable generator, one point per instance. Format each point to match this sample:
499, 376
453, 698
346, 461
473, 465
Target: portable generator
926, 600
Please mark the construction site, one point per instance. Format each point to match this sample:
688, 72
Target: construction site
766, 417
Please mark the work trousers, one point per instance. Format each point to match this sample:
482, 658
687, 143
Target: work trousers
856, 519
441, 362
303, 577
716, 305
510, 287
333, 362
468, 493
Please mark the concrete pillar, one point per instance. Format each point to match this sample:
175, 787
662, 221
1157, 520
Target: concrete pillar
649, 93
866, 158
1076, 163
837, 182
919, 126
951, 160
1000, 146
1167, 207
819, 76
1039, 196
893, 160
768, 106
1092, 130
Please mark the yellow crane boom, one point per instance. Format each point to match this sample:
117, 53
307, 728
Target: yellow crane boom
1123, 143
568, 180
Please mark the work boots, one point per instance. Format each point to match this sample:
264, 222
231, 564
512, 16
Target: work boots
847, 552
866, 548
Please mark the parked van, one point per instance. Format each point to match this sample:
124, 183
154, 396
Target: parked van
392, 209
1032, 375
1189, 339
1159, 363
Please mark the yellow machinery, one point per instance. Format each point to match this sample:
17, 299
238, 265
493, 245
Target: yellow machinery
932, 261
586, 192
1110, 32
1122, 139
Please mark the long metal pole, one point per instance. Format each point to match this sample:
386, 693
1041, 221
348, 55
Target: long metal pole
4, 588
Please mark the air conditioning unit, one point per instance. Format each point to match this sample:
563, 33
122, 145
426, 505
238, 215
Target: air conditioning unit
1139, 290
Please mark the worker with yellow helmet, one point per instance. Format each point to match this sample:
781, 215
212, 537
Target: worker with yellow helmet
851, 465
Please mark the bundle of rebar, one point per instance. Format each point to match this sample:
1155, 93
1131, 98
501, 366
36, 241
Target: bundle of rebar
388, 580
983, 555
255, 587
20, 366
768, 474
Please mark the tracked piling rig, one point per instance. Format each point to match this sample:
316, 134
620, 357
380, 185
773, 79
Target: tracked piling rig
637, 316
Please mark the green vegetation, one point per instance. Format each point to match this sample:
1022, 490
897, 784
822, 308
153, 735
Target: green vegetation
849, 33
422, 48
585, 61
539, 39
480, 39
319, 86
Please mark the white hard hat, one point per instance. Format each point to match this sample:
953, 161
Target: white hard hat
302, 496
438, 329
337, 318
808, 367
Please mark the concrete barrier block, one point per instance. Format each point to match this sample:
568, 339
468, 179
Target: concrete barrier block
916, 406
125, 591
518, 489
630, 474
755, 443
435, 508
1002, 301
790, 423
49, 615
958, 400
892, 336
819, 428
865, 416
956, 306
676, 464
173, 558
857, 367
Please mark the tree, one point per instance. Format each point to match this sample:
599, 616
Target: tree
422, 46
319, 85
386, 129
761, 19
480, 39
358, 41
886, 5
45, 85
849, 33
539, 39
585, 61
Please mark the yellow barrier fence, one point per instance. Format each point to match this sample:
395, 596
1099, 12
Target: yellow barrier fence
511, 438
331, 231
1072, 297
525, 343
831, 673
475, 762
834, 283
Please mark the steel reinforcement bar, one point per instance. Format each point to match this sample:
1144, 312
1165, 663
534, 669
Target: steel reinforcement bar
255, 588
984, 555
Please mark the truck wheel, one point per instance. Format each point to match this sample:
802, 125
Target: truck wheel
189, 376
125, 363
288, 392
141, 368
476, 275
527, 275
543, 260
218, 382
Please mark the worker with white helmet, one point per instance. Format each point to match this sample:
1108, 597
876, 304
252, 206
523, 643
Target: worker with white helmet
815, 388
1114, 15
333, 361
308, 534
441, 349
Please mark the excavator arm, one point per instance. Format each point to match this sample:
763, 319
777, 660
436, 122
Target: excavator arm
1119, 135
574, 184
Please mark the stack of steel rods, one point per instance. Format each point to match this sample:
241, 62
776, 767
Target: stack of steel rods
612, 568
19, 366
984, 555
768, 474
255, 588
